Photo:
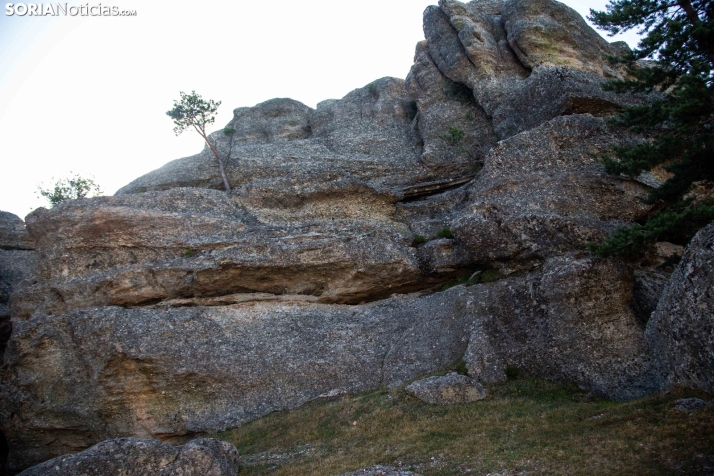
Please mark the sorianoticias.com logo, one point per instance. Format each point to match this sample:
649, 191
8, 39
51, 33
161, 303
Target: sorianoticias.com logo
63, 9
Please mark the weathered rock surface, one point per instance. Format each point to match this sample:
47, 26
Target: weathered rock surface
173, 309
570, 321
17, 263
649, 284
365, 138
454, 130
681, 330
380, 470
688, 404
549, 32
544, 192
13, 235
136, 249
525, 61
145, 457
447, 389
172, 371
167, 372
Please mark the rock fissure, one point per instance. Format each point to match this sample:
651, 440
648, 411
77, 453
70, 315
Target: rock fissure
417, 192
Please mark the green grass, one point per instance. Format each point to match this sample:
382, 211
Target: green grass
527, 425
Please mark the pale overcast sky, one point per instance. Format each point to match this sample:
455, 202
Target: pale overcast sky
89, 94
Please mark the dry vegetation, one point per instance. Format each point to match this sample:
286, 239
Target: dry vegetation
527, 427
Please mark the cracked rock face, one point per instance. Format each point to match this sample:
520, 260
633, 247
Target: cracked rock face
365, 138
174, 309
543, 192
145, 457
186, 243
17, 263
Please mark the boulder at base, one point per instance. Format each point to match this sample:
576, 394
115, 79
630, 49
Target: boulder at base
446, 389
145, 457
681, 330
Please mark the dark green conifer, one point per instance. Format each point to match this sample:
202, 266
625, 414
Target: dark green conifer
678, 45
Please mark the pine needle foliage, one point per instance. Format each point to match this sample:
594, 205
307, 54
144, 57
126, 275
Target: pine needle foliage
675, 61
194, 112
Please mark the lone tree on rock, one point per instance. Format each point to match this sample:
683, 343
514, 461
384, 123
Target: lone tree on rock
193, 111
679, 42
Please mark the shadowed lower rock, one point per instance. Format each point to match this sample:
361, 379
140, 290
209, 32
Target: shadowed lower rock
681, 330
145, 457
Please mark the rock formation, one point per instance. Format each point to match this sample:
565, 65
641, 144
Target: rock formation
174, 309
17, 263
380, 470
447, 389
137, 457
681, 330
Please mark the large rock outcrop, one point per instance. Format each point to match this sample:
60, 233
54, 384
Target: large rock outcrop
681, 330
365, 139
174, 309
137, 249
168, 371
543, 192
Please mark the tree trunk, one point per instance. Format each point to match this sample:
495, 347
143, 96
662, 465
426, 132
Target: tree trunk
220, 164
694, 20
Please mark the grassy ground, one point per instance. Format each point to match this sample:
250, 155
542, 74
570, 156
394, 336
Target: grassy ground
527, 427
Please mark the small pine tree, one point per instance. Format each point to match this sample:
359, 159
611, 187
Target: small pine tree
679, 42
192, 111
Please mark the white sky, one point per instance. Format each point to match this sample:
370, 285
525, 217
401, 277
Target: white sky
89, 94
